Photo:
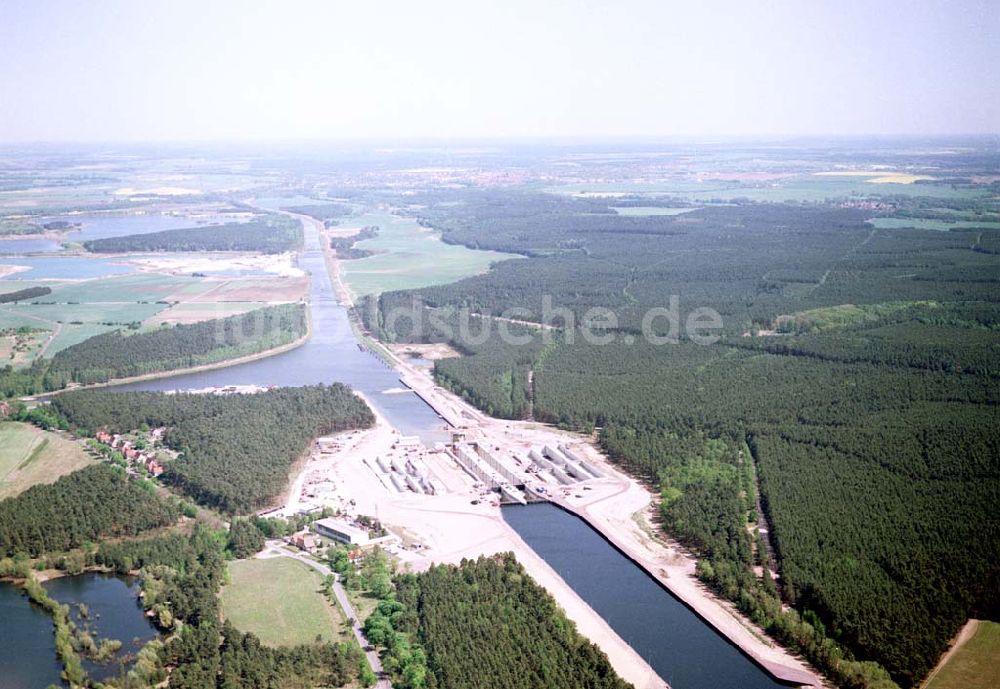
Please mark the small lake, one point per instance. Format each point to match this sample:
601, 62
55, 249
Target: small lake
677, 644
27, 648
28, 246
113, 613
277, 203
103, 226
65, 267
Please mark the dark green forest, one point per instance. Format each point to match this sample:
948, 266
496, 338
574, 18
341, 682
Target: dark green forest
484, 624
119, 355
86, 506
868, 420
344, 246
269, 234
23, 294
235, 450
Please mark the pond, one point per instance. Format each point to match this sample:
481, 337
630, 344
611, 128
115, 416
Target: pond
65, 267
114, 612
27, 650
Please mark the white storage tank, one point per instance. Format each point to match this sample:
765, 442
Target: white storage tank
555, 455
584, 464
414, 485
561, 476
397, 481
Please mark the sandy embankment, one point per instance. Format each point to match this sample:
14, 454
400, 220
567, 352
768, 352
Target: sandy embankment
6, 270
623, 518
281, 264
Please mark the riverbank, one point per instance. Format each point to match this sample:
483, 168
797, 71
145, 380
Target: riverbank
225, 363
623, 519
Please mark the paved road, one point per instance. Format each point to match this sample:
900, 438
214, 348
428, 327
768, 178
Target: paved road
274, 548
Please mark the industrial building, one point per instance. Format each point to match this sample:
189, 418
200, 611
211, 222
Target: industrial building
341, 531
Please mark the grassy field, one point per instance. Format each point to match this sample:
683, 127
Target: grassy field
18, 350
280, 601
29, 456
194, 312
974, 665
409, 256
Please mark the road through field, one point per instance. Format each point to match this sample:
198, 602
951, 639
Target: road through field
277, 549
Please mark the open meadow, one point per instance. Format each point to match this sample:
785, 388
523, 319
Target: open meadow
280, 601
973, 664
408, 256
29, 455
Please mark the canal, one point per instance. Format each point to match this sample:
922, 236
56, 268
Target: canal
331, 354
682, 648
677, 644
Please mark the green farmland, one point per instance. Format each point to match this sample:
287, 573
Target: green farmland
408, 256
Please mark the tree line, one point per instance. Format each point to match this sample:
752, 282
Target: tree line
269, 234
23, 294
117, 355
89, 505
345, 246
235, 450
484, 623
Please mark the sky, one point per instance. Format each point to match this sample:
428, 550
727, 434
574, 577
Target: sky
179, 70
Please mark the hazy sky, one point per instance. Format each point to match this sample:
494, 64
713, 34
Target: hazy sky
251, 69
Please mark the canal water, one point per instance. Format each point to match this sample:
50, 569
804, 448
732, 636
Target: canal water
677, 644
27, 648
330, 355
